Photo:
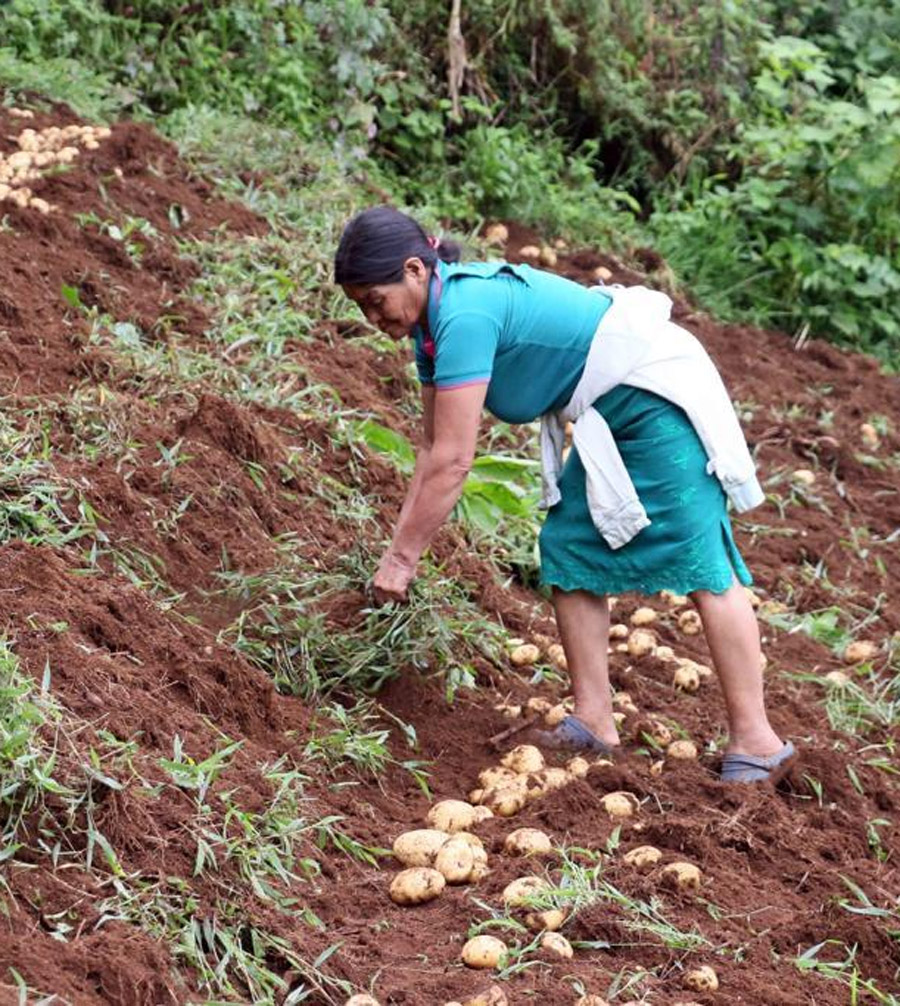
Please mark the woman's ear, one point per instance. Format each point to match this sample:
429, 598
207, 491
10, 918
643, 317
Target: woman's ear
416, 270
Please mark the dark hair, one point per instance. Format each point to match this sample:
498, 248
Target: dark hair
377, 242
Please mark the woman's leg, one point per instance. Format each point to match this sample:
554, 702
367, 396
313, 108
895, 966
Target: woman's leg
583, 622
732, 633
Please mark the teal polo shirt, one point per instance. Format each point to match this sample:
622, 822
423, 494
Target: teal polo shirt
523, 332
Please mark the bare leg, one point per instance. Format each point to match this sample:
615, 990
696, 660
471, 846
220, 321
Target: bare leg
732, 633
583, 621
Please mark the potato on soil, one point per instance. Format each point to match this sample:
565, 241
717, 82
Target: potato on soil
643, 616
476, 796
481, 814
538, 704
624, 702
665, 653
417, 885
684, 876
531, 252
686, 678
641, 642
682, 750
556, 715
658, 732
525, 655
518, 891
557, 656
451, 815
803, 477
524, 759
578, 767
419, 847
527, 842
496, 234
869, 436
548, 257
506, 801
619, 804
484, 952
837, 679
455, 860
362, 999
548, 779
547, 921
644, 857
510, 712
590, 1000
557, 944
702, 979
689, 623
494, 996
859, 651
619, 631
496, 775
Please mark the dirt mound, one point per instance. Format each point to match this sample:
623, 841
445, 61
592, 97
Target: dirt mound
181, 747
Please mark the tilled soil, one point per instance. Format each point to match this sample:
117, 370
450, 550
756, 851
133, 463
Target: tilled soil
774, 862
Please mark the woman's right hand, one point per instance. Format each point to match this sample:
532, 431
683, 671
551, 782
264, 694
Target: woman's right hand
392, 579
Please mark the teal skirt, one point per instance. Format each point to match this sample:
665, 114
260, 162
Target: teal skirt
687, 546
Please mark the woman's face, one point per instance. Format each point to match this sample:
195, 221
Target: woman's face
394, 307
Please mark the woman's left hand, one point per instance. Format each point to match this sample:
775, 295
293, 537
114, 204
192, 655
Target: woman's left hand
392, 579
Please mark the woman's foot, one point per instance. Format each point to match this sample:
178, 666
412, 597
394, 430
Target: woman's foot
573, 734
745, 768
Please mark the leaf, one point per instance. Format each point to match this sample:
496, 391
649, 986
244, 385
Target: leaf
386, 441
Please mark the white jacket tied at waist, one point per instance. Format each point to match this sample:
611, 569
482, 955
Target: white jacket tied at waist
636, 344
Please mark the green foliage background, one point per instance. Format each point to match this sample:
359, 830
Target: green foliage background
756, 144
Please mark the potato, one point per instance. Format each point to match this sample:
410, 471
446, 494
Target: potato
527, 842
702, 979
524, 759
548, 921
643, 857
468, 838
619, 631
547, 780
803, 477
538, 704
684, 876
859, 652
578, 767
838, 679
557, 944
641, 642
556, 715
21, 197
493, 996
476, 796
518, 891
480, 865
619, 804
643, 616
506, 801
455, 861
557, 656
530, 252
510, 712
591, 1000
484, 952
419, 847
686, 678
623, 701
602, 275
481, 814
451, 815
689, 623
657, 731
869, 436
416, 886
362, 999
619, 648
91, 144
656, 768
673, 600
496, 775
664, 653
496, 234
525, 655
4, 191
548, 257
683, 750
67, 154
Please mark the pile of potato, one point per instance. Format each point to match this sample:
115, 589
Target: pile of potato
40, 150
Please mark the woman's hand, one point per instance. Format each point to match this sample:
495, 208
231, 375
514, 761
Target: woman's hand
392, 578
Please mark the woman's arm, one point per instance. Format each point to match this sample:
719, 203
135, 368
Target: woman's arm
423, 449
452, 418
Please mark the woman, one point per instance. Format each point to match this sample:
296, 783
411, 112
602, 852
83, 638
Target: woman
640, 503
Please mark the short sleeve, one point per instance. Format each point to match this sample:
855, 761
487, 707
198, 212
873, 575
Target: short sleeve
465, 346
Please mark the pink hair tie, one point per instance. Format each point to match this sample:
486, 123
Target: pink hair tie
434, 242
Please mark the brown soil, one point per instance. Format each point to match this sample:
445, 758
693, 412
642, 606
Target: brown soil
126, 665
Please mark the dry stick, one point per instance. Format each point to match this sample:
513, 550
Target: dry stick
504, 735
